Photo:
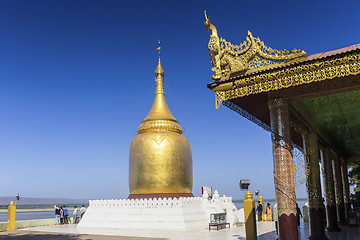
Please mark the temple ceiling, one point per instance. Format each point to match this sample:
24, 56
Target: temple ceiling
338, 115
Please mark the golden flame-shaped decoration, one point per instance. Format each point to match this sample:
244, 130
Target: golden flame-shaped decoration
252, 55
160, 157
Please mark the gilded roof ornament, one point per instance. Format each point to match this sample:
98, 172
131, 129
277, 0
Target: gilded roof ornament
250, 56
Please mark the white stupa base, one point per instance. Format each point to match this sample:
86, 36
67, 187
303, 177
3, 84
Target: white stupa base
157, 214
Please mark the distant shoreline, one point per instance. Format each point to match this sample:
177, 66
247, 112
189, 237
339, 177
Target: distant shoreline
267, 201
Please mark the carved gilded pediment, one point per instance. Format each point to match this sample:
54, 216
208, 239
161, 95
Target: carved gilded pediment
252, 55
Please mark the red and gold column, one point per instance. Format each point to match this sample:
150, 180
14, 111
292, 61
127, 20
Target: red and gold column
346, 189
329, 193
283, 169
339, 196
316, 208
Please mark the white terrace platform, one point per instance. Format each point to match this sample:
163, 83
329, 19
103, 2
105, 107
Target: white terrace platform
161, 214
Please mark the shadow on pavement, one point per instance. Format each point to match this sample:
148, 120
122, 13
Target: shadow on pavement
27, 235
34, 236
267, 236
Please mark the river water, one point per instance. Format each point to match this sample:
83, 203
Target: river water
31, 215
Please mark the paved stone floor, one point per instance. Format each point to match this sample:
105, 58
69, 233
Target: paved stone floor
265, 231
347, 233
234, 233
31, 235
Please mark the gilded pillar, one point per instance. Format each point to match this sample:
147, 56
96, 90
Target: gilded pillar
346, 189
283, 169
339, 196
329, 192
316, 208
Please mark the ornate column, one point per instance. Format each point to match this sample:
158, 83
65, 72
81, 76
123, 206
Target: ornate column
346, 189
316, 209
329, 192
283, 169
339, 196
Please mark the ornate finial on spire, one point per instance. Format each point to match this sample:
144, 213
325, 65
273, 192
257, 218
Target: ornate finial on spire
159, 48
159, 70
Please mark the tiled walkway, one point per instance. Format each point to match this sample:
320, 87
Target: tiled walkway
265, 231
347, 233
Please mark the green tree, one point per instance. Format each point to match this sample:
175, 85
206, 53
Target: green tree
354, 175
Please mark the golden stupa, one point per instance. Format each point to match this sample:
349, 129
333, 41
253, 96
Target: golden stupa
160, 161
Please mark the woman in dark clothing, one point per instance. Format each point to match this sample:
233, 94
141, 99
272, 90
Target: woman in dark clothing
298, 214
57, 214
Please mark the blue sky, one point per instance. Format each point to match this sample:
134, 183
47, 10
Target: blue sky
77, 78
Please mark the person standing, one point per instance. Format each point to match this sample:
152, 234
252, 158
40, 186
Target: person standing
75, 213
268, 212
298, 214
259, 210
61, 215
82, 211
65, 215
276, 218
57, 214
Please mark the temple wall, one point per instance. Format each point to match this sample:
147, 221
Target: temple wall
171, 214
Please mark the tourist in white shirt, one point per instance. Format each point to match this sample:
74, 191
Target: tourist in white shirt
75, 213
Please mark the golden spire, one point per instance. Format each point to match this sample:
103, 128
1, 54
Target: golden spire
159, 118
159, 70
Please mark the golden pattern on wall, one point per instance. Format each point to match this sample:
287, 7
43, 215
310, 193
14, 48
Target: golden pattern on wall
300, 157
317, 71
282, 155
339, 197
328, 178
284, 187
159, 138
300, 167
313, 177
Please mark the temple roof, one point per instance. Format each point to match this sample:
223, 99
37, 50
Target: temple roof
313, 57
333, 52
323, 91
